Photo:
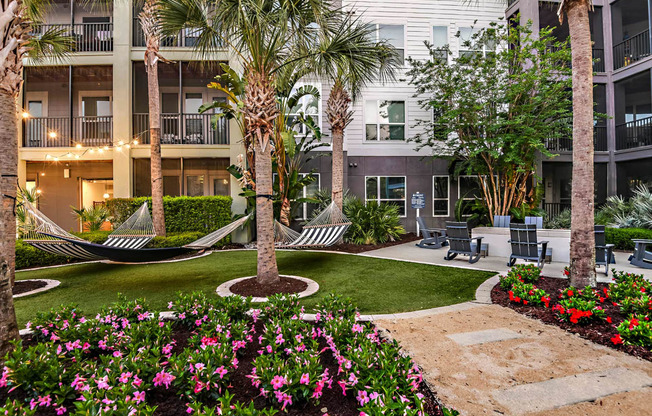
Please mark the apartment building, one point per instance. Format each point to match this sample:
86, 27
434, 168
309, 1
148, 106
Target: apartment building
85, 128
623, 141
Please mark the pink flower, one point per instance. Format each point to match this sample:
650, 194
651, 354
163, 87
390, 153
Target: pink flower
221, 371
102, 383
305, 379
362, 397
163, 378
353, 379
357, 328
124, 377
61, 410
278, 382
139, 396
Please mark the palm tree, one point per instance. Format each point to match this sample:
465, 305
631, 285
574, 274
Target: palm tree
16, 20
367, 61
149, 21
266, 35
582, 247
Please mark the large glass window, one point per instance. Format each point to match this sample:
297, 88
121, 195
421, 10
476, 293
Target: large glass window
469, 46
387, 189
440, 196
190, 177
384, 120
305, 211
439, 42
394, 35
468, 187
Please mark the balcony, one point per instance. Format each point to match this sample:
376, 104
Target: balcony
184, 129
89, 131
566, 144
186, 39
634, 134
89, 37
631, 50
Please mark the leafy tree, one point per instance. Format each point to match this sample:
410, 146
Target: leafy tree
17, 18
495, 107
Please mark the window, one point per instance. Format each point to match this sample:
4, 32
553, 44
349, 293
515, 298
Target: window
309, 105
384, 120
439, 42
440, 195
394, 35
386, 189
470, 46
468, 187
306, 209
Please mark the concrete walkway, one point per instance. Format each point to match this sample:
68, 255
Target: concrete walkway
410, 252
484, 359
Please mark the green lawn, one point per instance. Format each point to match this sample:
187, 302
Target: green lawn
376, 285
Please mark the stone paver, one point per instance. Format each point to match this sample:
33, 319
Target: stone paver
486, 335
487, 378
565, 391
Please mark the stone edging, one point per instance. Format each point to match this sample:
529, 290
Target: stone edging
225, 288
50, 284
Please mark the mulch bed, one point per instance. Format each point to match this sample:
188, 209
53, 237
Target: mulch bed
251, 287
169, 403
354, 248
599, 332
22, 286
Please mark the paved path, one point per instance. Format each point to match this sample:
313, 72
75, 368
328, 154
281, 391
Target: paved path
490, 360
484, 359
410, 252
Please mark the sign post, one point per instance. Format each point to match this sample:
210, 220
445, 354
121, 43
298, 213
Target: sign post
418, 202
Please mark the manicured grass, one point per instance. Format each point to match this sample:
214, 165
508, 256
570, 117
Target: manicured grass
376, 285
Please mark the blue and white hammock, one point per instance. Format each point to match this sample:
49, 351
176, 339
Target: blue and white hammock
326, 229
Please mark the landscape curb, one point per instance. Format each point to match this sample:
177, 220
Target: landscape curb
224, 289
50, 284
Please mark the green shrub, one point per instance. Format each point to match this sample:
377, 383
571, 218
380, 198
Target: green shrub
527, 293
372, 223
621, 238
28, 257
97, 237
560, 221
202, 213
634, 331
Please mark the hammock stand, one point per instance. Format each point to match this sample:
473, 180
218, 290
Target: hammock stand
325, 230
123, 245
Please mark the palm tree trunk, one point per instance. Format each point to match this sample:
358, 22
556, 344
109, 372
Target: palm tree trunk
8, 182
582, 248
158, 215
260, 113
339, 116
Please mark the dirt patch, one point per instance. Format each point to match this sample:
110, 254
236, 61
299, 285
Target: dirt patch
24, 286
599, 332
251, 287
465, 377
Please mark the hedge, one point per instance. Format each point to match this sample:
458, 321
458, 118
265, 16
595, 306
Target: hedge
28, 257
622, 237
200, 213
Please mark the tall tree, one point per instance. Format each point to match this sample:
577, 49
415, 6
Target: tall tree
582, 247
266, 35
369, 60
17, 18
149, 21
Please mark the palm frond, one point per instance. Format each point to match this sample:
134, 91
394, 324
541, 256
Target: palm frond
53, 44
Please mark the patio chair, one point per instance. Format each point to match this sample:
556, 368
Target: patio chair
538, 221
603, 251
432, 237
461, 242
642, 257
502, 221
525, 245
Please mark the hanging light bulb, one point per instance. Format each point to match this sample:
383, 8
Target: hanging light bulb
38, 191
42, 173
25, 114
47, 156
100, 150
119, 148
76, 156
92, 151
127, 146
135, 142
52, 134
106, 147
120, 143
56, 159
106, 196
78, 146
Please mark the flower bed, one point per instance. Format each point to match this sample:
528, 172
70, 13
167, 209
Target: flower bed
616, 314
216, 358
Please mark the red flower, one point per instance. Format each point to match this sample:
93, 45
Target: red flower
617, 339
633, 323
511, 295
524, 302
609, 320
643, 289
601, 300
570, 293
531, 292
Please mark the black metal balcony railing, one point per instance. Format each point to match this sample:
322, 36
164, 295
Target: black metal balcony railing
631, 50
187, 38
89, 37
634, 134
566, 144
598, 60
183, 129
68, 131
555, 208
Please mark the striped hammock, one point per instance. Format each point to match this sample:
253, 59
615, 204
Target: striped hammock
326, 229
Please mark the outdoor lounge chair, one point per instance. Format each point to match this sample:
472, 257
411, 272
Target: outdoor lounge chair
432, 237
538, 221
525, 245
502, 221
642, 257
603, 251
461, 242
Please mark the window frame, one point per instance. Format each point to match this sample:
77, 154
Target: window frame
474, 30
432, 39
304, 206
447, 199
381, 200
403, 25
377, 116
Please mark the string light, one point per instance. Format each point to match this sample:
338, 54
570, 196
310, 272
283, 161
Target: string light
52, 134
78, 146
25, 114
